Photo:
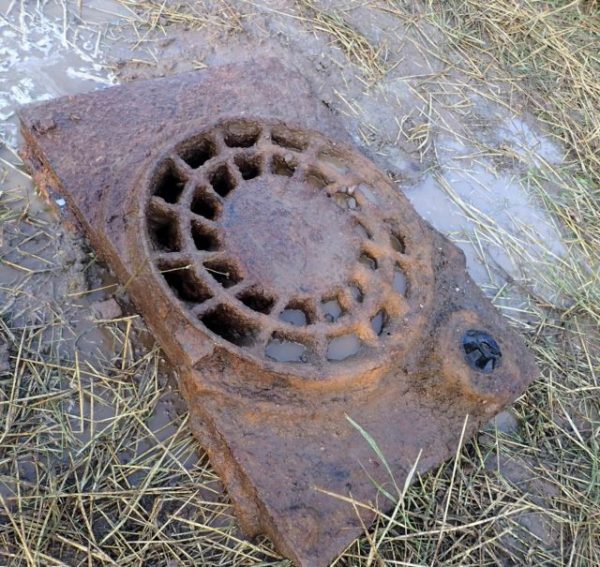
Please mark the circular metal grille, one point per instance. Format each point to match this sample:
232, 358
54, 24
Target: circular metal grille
285, 246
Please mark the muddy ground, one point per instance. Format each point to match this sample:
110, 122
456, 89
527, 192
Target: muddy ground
96, 463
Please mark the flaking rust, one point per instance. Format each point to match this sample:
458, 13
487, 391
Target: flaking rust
292, 285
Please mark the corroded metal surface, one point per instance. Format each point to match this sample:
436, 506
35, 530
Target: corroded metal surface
284, 247
291, 284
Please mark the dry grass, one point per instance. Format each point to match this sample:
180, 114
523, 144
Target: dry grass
546, 54
353, 43
550, 52
87, 476
150, 15
96, 467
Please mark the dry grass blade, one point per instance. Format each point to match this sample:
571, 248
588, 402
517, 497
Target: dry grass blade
351, 41
152, 14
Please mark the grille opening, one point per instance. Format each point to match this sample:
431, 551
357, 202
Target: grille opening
241, 134
345, 201
184, 283
332, 310
343, 347
333, 159
282, 349
249, 166
299, 312
357, 292
398, 243
368, 260
288, 138
169, 185
229, 325
257, 300
204, 238
295, 317
163, 234
399, 283
224, 271
222, 181
361, 231
204, 204
199, 153
282, 166
317, 179
379, 322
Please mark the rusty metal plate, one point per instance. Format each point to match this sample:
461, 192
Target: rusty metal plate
291, 284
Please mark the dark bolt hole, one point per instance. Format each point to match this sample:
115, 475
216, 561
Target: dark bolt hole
481, 350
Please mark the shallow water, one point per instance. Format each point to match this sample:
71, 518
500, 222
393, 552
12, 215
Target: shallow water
42, 57
489, 211
343, 347
332, 310
285, 351
295, 317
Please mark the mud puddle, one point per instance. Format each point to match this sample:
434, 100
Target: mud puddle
52, 291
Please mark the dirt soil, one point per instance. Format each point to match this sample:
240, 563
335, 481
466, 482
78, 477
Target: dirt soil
97, 462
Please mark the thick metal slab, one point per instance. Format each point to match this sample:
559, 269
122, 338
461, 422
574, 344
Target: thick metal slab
292, 285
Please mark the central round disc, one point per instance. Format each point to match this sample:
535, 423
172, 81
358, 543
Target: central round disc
289, 235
